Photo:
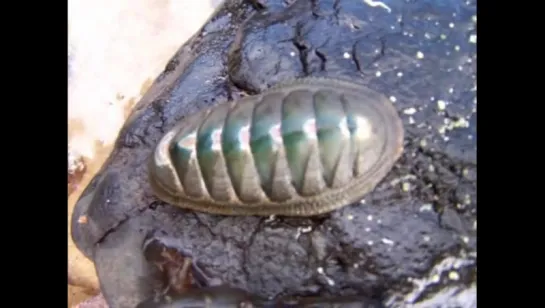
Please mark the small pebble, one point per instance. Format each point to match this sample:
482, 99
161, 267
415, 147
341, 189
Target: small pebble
461, 122
441, 104
393, 99
419, 55
388, 241
426, 207
306, 229
409, 111
82, 219
452, 275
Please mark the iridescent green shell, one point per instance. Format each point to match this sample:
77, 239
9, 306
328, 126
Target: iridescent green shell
298, 149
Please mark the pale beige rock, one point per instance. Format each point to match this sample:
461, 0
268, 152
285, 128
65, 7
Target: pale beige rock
116, 50
77, 295
81, 271
97, 301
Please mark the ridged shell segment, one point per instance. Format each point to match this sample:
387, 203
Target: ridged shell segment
301, 148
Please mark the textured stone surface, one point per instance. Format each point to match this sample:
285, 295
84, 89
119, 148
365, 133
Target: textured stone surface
111, 64
412, 241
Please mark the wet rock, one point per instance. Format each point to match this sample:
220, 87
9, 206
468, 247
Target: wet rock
412, 241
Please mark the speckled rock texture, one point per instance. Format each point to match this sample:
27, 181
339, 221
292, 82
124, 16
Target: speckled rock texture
410, 242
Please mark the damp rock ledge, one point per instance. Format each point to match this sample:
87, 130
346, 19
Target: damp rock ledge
410, 242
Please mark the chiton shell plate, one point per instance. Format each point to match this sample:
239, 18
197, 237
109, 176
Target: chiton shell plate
301, 148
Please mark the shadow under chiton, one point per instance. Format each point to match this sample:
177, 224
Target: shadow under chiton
302, 148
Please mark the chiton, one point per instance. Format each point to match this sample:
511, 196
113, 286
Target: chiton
301, 148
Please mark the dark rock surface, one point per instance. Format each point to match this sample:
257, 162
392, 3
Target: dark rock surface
411, 242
